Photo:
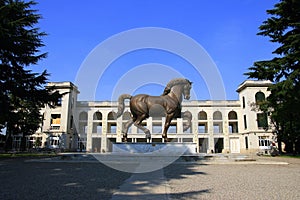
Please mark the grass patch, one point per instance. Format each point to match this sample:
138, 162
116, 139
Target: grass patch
290, 156
18, 155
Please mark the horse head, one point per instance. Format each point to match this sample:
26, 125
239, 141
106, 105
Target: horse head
186, 89
187, 85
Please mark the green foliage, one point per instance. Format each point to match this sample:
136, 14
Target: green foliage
22, 92
283, 28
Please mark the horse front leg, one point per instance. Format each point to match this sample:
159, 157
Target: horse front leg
169, 118
188, 117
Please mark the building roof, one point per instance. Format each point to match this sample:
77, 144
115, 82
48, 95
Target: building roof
63, 85
253, 83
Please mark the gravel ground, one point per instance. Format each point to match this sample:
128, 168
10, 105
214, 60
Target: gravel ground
191, 180
235, 181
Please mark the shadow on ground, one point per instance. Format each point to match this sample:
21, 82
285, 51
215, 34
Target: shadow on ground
89, 180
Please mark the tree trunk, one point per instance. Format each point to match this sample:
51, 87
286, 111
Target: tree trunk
8, 143
23, 143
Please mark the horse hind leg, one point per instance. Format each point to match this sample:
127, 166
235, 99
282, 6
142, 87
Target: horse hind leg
138, 122
125, 129
146, 131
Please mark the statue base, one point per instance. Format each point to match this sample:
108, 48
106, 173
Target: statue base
168, 149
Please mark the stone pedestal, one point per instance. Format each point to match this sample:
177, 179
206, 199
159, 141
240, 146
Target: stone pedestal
172, 149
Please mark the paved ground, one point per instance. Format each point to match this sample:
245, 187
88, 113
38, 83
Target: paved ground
191, 180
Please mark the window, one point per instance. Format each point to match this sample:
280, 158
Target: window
263, 141
112, 125
71, 122
245, 122
218, 128
172, 128
217, 115
259, 97
59, 102
246, 142
126, 116
81, 143
244, 103
55, 122
54, 141
97, 127
187, 121
97, 116
202, 122
83, 116
202, 115
218, 123
111, 116
156, 127
83, 128
233, 128
202, 128
233, 122
232, 115
262, 120
55, 119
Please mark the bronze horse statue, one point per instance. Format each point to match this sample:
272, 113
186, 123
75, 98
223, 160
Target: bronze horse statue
168, 104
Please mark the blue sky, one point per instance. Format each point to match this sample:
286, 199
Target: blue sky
225, 29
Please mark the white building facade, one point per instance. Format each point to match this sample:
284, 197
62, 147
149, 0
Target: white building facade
227, 126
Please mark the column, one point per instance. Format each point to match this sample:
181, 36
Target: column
119, 129
211, 141
104, 131
89, 138
226, 134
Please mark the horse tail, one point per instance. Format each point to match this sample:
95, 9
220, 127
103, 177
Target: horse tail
121, 104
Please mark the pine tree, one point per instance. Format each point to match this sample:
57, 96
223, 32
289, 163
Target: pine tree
283, 104
22, 92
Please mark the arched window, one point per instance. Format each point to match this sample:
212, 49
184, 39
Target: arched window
202, 122
111, 116
126, 116
187, 122
259, 97
232, 115
233, 122
97, 116
217, 115
202, 115
97, 125
217, 122
112, 124
83, 116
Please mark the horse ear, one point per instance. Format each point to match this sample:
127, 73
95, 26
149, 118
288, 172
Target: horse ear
189, 81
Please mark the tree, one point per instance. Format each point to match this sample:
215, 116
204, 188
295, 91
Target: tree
22, 92
283, 104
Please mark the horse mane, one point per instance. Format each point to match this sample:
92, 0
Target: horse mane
173, 82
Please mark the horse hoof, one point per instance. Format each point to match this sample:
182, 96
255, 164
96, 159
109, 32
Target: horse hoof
124, 140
